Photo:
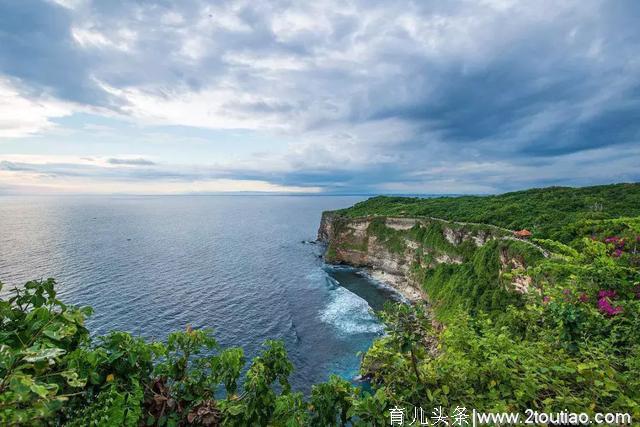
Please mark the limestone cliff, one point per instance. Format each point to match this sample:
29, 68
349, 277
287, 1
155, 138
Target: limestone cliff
402, 251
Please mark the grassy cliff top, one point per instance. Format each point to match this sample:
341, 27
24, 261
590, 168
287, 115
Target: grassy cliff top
544, 211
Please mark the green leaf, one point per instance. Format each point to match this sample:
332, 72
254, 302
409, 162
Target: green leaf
44, 354
73, 379
40, 390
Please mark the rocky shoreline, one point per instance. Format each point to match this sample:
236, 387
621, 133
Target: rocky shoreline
379, 265
399, 284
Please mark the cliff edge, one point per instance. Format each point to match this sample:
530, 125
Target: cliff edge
405, 252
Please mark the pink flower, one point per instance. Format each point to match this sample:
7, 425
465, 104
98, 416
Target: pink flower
583, 297
605, 306
546, 299
609, 293
617, 253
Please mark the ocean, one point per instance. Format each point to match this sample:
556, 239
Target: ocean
244, 266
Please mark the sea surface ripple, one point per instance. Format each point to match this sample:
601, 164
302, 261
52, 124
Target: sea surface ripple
241, 265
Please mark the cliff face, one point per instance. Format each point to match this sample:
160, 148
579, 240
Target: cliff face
402, 251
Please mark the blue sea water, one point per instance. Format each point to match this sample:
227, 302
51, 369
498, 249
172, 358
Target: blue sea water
242, 265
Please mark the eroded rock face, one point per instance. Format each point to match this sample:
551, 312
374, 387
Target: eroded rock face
454, 237
401, 223
325, 231
448, 259
391, 256
481, 238
520, 282
511, 262
394, 249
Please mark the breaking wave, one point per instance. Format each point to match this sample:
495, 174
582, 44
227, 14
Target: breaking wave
349, 313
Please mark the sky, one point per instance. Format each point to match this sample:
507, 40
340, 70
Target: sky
321, 97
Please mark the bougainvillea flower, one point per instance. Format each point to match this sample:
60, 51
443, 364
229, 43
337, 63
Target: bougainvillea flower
607, 293
605, 306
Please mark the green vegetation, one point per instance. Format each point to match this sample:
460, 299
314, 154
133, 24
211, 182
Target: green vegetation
546, 211
558, 349
52, 372
476, 286
392, 239
572, 342
432, 236
331, 253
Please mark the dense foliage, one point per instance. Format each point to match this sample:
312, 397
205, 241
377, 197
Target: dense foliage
52, 372
574, 345
545, 211
572, 342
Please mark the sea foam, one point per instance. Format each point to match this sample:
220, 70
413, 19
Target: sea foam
349, 313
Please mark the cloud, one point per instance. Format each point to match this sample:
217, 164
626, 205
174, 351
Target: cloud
478, 96
22, 115
131, 162
70, 174
38, 48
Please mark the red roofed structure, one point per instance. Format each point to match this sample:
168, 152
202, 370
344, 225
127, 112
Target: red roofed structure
522, 234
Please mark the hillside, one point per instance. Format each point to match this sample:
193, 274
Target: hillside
544, 211
499, 322
419, 256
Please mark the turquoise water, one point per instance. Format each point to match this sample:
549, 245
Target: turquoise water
242, 265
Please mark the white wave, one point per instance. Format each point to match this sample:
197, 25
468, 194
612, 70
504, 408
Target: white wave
317, 275
350, 314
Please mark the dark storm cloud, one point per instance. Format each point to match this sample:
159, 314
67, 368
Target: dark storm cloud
486, 95
36, 46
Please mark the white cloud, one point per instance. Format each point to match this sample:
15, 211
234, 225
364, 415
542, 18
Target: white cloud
69, 4
209, 108
25, 183
73, 174
122, 39
22, 115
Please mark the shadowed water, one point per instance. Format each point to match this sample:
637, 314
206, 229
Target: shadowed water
237, 264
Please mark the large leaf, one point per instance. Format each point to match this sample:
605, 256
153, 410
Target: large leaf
43, 354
